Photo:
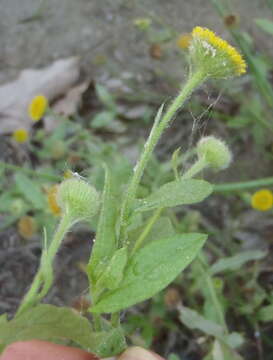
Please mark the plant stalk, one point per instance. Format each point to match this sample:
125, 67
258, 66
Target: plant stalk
195, 80
44, 276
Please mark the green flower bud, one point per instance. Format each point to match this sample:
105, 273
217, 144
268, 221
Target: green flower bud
78, 199
215, 152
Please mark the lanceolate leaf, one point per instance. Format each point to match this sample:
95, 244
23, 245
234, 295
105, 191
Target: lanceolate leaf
105, 243
237, 261
151, 269
48, 322
30, 190
266, 25
179, 192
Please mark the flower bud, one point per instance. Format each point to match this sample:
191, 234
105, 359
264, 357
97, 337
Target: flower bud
78, 199
215, 152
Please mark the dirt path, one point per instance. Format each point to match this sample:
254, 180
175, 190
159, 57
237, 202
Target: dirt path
101, 32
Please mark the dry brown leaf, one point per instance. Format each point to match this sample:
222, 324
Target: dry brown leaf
52, 81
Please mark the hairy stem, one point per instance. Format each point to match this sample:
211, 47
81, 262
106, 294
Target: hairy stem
193, 82
44, 276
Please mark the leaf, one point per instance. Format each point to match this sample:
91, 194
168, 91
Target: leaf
105, 243
114, 271
237, 261
163, 228
238, 122
193, 320
221, 351
102, 119
3, 319
51, 323
265, 25
150, 270
173, 357
180, 192
30, 190
46, 322
106, 98
265, 314
110, 343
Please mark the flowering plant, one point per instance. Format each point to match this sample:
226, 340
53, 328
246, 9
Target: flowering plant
128, 263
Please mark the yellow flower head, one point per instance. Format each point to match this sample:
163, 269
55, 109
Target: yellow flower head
20, 135
262, 200
37, 107
51, 199
215, 55
27, 226
183, 41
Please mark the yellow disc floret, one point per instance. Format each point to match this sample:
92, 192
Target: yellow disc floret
20, 135
216, 53
37, 107
262, 200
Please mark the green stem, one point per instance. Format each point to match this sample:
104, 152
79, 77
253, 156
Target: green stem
193, 82
198, 166
146, 230
30, 171
244, 185
213, 295
115, 319
44, 275
97, 321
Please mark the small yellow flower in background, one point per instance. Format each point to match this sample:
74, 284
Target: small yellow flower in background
37, 107
183, 41
20, 135
214, 55
51, 199
262, 200
27, 226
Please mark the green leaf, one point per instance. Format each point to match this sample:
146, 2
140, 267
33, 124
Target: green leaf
106, 98
173, 357
238, 122
110, 343
265, 314
114, 271
3, 319
30, 190
51, 323
180, 192
150, 270
221, 351
237, 261
105, 243
193, 320
163, 228
102, 119
265, 25
47, 322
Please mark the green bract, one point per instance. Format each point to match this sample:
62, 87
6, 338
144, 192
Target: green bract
78, 199
215, 152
